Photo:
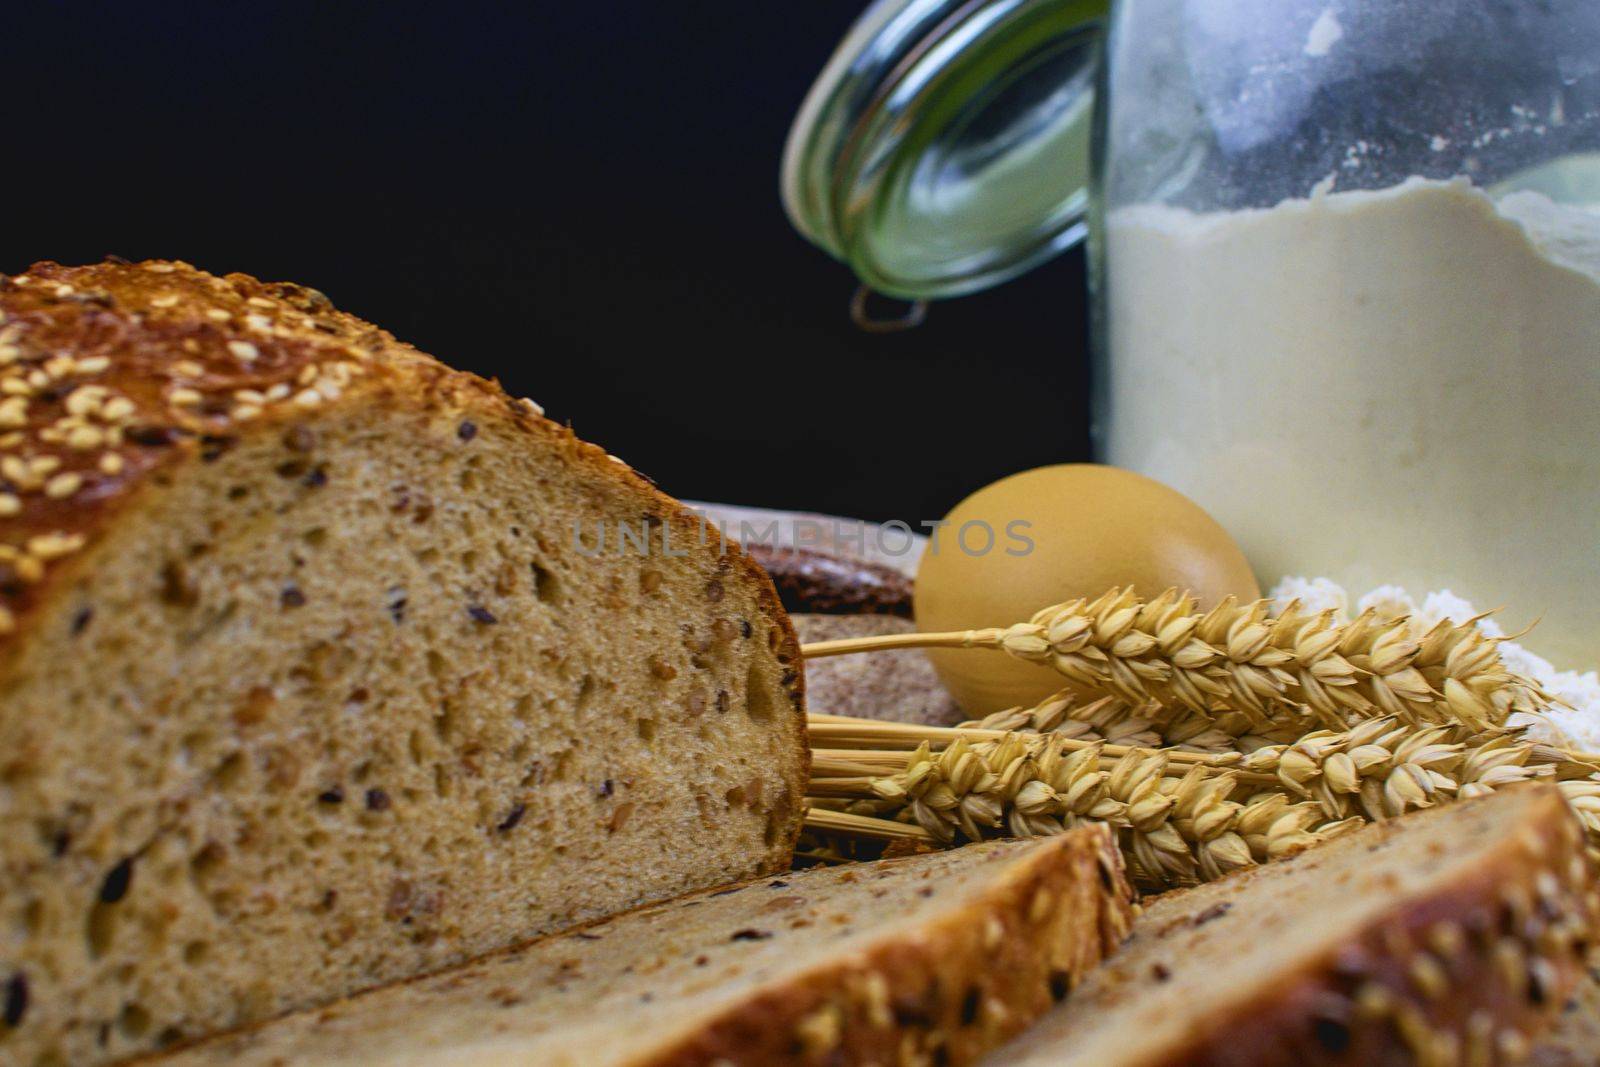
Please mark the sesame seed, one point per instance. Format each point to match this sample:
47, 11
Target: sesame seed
259, 302
218, 315
160, 268
14, 413
245, 412
244, 350
85, 438
111, 463
94, 365
8, 621
54, 545
9, 354
165, 301
10, 504
117, 409
16, 387
188, 368
184, 397
308, 398
85, 400
63, 485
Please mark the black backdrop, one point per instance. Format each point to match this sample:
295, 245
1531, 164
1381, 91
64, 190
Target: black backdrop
578, 199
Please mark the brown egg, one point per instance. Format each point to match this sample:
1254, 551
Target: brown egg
1054, 534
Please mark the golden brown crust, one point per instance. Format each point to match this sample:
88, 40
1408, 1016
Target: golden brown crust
1471, 974
112, 373
962, 988
946, 994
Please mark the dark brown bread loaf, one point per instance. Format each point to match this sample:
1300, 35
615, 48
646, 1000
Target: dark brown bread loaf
1451, 936
832, 583
306, 681
925, 960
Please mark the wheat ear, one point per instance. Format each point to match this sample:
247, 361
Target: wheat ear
1247, 671
1180, 823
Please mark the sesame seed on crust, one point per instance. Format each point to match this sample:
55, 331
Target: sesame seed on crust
109, 372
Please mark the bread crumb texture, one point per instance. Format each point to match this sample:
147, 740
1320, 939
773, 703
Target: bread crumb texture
923, 960
305, 684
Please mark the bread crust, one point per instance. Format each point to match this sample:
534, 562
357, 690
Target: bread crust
945, 994
179, 364
1470, 974
964, 987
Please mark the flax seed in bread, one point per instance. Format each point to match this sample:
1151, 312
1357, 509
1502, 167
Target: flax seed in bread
930, 959
307, 681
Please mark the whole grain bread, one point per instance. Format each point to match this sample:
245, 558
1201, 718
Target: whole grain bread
924, 960
1574, 1041
1451, 936
317, 668
832, 583
893, 686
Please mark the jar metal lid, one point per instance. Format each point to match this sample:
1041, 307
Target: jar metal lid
945, 147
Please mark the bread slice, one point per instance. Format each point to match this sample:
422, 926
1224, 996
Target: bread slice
315, 672
893, 686
1574, 1041
1448, 937
923, 959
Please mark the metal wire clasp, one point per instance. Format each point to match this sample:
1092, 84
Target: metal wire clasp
916, 313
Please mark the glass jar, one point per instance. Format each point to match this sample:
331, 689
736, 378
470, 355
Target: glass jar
1348, 278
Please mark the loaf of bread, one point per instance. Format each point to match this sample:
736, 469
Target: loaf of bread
924, 960
832, 583
1452, 936
323, 665
893, 686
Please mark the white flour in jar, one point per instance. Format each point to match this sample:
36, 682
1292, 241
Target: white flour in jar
1394, 386
1576, 726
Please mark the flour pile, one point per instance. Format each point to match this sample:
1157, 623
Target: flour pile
1576, 726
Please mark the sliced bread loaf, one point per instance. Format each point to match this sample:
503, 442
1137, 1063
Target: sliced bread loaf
322, 665
922, 960
1448, 937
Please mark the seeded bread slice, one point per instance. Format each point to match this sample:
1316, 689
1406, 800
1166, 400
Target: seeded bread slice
1451, 936
927, 959
1574, 1041
315, 671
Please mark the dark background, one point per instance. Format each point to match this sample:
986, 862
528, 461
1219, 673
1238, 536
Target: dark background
580, 200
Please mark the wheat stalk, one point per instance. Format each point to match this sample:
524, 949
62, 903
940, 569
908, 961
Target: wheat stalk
1241, 671
1179, 822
